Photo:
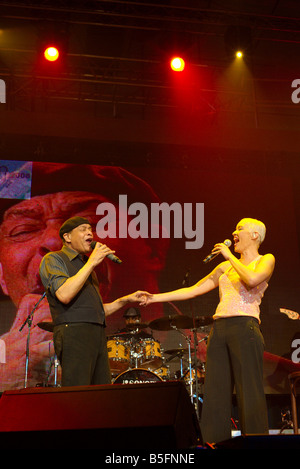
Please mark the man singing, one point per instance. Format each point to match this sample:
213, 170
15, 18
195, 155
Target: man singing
76, 305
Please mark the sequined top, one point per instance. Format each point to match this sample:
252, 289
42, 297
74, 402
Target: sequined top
236, 299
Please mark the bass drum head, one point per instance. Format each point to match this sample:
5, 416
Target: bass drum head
137, 376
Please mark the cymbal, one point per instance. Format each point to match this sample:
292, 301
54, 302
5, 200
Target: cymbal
179, 321
178, 351
162, 324
183, 322
187, 322
201, 321
137, 325
46, 326
130, 334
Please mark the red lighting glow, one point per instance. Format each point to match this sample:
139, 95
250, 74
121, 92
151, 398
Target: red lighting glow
51, 54
177, 64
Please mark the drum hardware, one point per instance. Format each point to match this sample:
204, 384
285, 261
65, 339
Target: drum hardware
203, 339
120, 334
28, 321
197, 398
136, 325
196, 343
136, 353
178, 352
49, 326
46, 326
185, 375
162, 324
188, 341
179, 322
146, 353
55, 363
147, 363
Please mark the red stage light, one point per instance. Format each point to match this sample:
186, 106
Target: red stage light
51, 53
177, 64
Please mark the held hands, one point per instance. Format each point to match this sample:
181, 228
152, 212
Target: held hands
141, 297
146, 298
137, 297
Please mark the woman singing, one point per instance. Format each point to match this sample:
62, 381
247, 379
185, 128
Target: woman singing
235, 346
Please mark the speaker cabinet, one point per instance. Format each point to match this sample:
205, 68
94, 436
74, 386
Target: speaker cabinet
143, 416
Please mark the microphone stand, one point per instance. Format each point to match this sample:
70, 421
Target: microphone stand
194, 331
189, 349
196, 342
190, 360
192, 394
28, 321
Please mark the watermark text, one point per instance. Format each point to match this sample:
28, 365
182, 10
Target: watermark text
137, 220
2, 91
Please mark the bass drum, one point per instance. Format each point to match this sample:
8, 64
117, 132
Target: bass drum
137, 376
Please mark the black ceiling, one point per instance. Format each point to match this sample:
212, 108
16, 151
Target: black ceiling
116, 51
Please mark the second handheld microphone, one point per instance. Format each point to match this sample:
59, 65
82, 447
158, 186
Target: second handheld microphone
211, 256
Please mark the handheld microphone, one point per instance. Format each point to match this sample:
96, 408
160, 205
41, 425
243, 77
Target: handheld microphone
211, 256
112, 257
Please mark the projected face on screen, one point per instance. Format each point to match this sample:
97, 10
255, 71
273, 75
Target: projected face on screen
30, 229
33, 211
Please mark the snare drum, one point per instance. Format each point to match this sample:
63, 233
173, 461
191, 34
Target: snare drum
118, 354
151, 353
137, 376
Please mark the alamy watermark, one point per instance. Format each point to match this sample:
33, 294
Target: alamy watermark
2, 91
295, 96
160, 220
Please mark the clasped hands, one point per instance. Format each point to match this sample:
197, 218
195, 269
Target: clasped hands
142, 297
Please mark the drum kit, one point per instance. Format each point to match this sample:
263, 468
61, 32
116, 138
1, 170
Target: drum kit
137, 357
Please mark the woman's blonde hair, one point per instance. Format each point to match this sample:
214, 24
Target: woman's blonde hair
255, 226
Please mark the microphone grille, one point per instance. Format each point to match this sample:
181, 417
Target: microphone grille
227, 243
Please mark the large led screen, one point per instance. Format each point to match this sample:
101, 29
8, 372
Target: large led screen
161, 223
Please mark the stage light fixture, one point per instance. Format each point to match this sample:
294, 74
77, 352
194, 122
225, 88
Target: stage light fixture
51, 53
177, 64
52, 46
238, 41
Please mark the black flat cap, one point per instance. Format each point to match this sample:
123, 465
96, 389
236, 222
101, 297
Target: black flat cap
72, 223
